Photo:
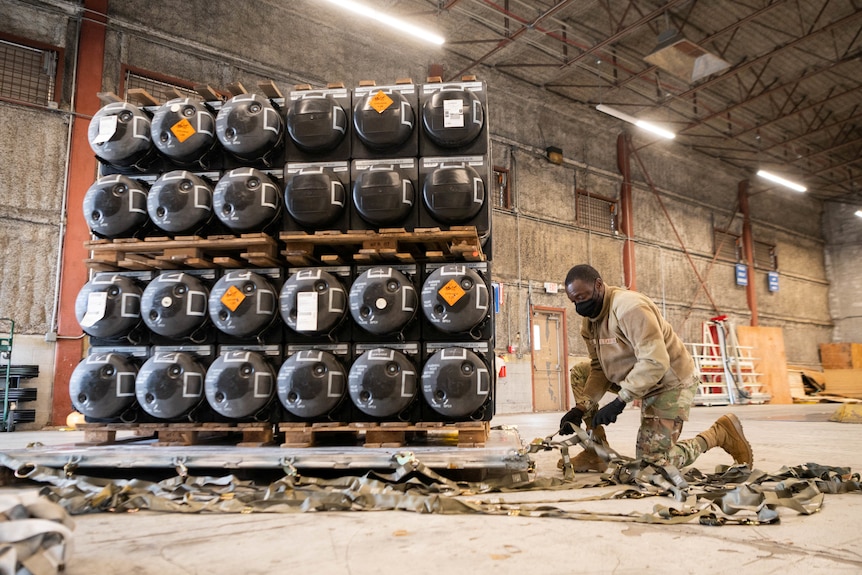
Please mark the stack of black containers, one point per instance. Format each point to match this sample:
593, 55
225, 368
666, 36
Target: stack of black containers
404, 341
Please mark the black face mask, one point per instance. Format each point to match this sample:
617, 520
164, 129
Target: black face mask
590, 308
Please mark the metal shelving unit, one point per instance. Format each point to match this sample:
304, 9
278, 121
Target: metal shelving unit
6, 353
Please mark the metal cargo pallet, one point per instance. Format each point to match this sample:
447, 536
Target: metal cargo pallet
502, 453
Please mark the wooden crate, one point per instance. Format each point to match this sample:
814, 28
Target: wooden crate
841, 355
384, 434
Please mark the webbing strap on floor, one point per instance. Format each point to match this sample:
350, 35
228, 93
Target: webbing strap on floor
35, 535
732, 495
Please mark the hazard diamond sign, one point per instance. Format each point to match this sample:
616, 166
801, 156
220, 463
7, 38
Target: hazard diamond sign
380, 101
183, 130
232, 298
451, 292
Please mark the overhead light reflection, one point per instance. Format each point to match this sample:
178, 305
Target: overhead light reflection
642, 124
779, 180
391, 21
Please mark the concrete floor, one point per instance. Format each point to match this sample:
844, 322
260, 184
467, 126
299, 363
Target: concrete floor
363, 543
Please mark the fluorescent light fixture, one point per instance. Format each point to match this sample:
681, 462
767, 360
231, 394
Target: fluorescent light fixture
649, 127
400, 25
859, 213
779, 180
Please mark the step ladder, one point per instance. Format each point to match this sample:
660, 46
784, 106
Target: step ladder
725, 368
6, 424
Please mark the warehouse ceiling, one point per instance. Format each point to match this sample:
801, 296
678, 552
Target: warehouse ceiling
779, 86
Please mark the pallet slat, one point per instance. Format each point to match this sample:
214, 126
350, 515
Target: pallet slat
159, 253
460, 243
384, 434
183, 434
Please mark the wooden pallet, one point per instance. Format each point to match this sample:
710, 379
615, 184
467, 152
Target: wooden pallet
460, 243
162, 253
171, 434
384, 434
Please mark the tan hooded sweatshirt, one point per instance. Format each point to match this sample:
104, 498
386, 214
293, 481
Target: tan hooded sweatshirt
631, 344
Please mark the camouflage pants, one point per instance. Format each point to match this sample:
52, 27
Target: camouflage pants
662, 418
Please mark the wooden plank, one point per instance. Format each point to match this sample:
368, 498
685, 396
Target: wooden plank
771, 362
207, 92
841, 355
843, 382
108, 98
269, 88
141, 97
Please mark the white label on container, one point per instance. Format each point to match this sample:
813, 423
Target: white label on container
453, 113
306, 311
96, 303
107, 128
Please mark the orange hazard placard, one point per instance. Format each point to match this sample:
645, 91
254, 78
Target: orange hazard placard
232, 298
183, 130
451, 292
380, 101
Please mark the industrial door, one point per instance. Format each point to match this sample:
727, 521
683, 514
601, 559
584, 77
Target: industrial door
549, 359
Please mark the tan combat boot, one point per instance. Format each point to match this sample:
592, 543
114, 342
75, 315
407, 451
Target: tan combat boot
726, 433
588, 459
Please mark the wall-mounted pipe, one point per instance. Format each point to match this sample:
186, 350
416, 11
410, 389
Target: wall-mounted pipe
748, 249
626, 210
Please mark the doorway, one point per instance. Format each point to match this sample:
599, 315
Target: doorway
548, 342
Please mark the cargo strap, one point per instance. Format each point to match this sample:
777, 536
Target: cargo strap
732, 495
35, 535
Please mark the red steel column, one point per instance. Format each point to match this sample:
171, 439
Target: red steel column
82, 174
626, 211
748, 250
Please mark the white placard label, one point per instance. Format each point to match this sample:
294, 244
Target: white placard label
453, 113
107, 128
306, 311
97, 301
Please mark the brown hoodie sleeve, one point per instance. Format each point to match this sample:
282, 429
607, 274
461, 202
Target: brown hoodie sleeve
652, 360
597, 383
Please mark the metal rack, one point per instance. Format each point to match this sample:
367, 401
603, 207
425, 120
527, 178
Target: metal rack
6, 353
726, 369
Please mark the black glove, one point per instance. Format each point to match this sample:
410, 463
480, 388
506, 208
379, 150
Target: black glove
608, 414
573, 416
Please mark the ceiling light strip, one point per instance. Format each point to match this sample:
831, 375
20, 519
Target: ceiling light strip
779, 180
391, 21
642, 124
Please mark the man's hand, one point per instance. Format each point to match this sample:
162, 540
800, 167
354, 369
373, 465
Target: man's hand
574, 417
608, 414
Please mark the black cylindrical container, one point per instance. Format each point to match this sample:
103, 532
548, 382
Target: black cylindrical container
170, 384
183, 129
239, 384
311, 383
115, 206
102, 386
247, 200
180, 202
